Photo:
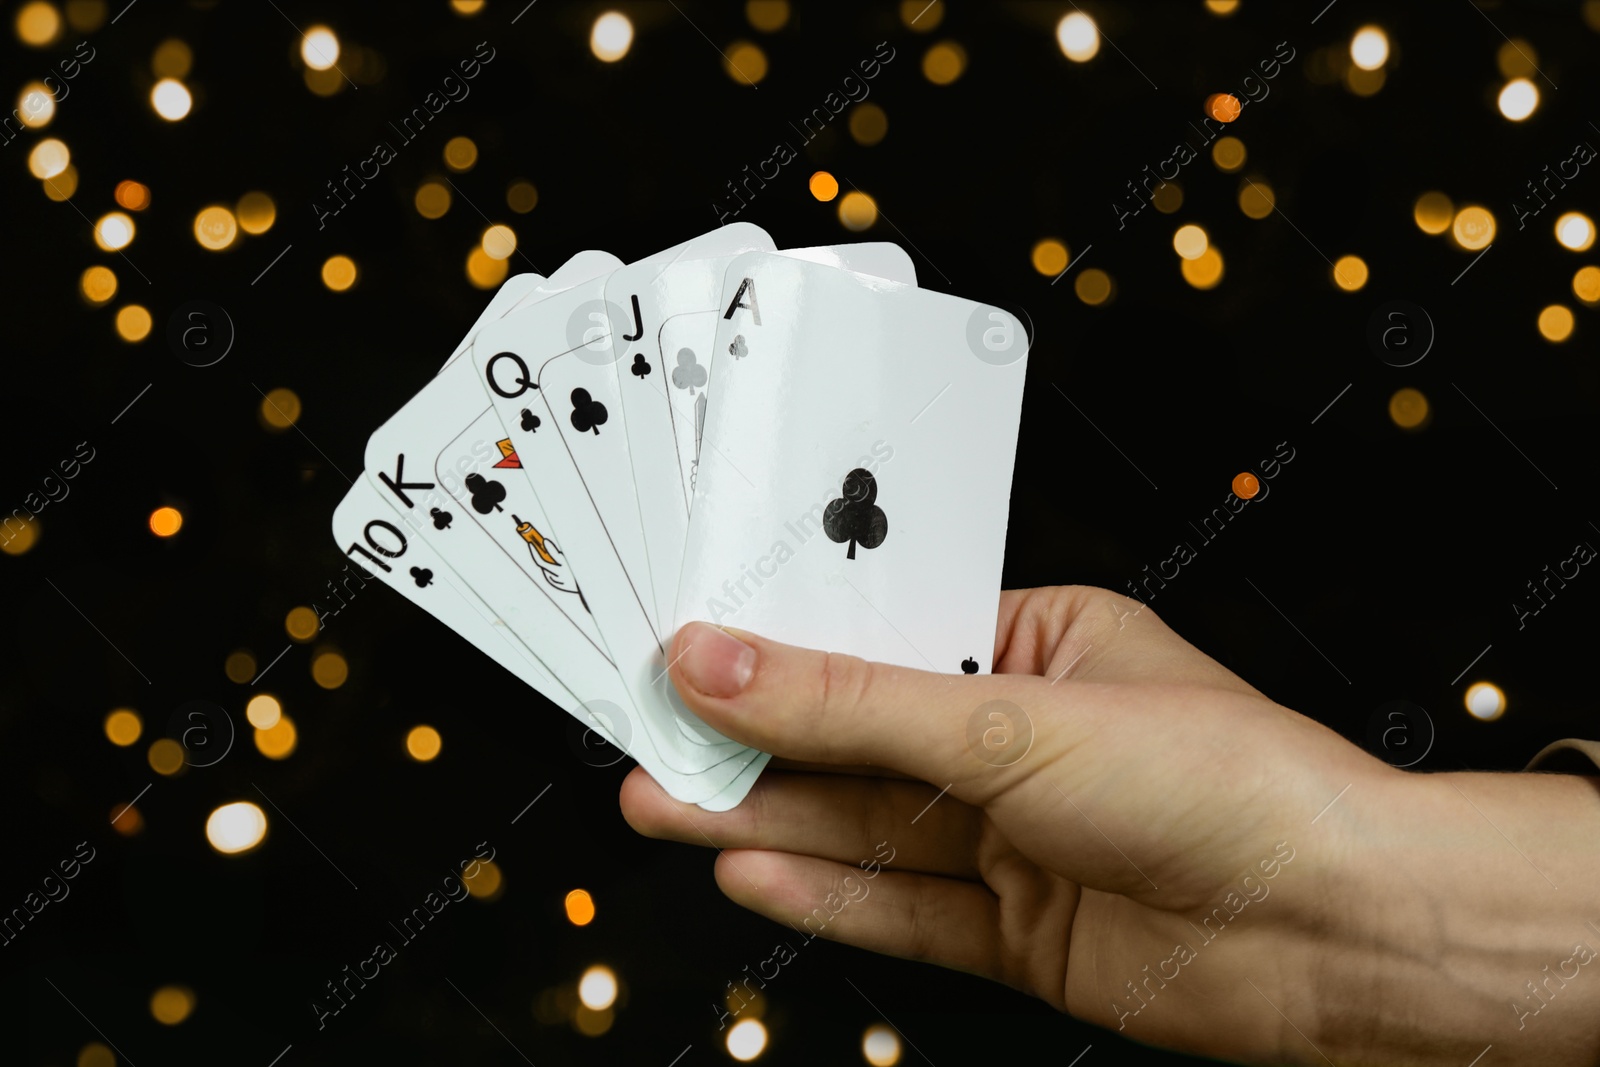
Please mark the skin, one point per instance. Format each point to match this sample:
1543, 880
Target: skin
1358, 914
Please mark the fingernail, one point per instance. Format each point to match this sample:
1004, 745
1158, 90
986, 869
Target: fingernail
715, 662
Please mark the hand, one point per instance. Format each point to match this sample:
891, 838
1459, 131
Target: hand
1140, 838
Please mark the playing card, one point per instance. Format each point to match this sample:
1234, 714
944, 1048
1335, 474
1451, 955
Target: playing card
856, 475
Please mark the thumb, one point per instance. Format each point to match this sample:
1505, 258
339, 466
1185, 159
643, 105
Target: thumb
828, 707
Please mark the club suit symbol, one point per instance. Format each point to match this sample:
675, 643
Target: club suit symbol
422, 576
486, 494
441, 518
969, 666
547, 556
640, 368
855, 517
587, 414
530, 421
688, 374
737, 348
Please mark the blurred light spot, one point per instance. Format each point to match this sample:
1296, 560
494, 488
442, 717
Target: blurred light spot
319, 48
1228, 154
499, 241
1245, 485
921, 16
1050, 257
823, 186
598, 988
1591, 14
133, 323
1350, 273
63, 185
171, 1004
1586, 285
1224, 107
1078, 37
280, 408
611, 37
432, 200
171, 99
86, 16
1473, 228
868, 124
339, 273
1093, 286
767, 16
171, 59
36, 105
263, 710
1222, 7
580, 907
592, 1023
240, 666
329, 670
125, 819
423, 743
466, 7
880, 1046
1364, 82
20, 540
1408, 408
460, 153
166, 521
1204, 272
1518, 99
1575, 230
135, 196
38, 24
944, 62
1190, 241
123, 727
1256, 199
483, 270
1517, 58
522, 197
1485, 701
98, 284
278, 740
94, 1054
324, 82
301, 624
745, 62
114, 231
215, 228
256, 213
49, 158
1555, 322
486, 884
1369, 48
165, 756
1432, 212
236, 827
1168, 197
857, 211
747, 1040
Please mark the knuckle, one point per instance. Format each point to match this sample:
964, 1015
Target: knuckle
845, 682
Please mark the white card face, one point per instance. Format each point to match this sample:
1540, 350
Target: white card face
856, 473
664, 406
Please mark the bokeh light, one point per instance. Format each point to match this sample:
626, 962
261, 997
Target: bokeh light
320, 48
768, 16
868, 124
423, 743
1167, 198
1555, 322
880, 1046
466, 7
338, 273
921, 16
1518, 99
171, 1004
1190, 241
598, 988
240, 666
499, 241
522, 196
278, 740
280, 408
1485, 701
301, 624
19, 540
63, 185
432, 200
166, 521
857, 211
823, 186
1369, 48
36, 106
1205, 271
48, 158
744, 62
746, 1040
236, 827
126, 819
1575, 230
215, 228
135, 196
38, 24
123, 727
94, 1054
1078, 37
1223, 107
1228, 154
1350, 273
329, 670
86, 16
487, 883
256, 213
1050, 257
171, 99
1517, 58
263, 711
114, 231
1093, 286
611, 37
579, 907
1473, 228
1433, 212
460, 154
1256, 199
165, 756
1408, 409
134, 323
944, 63
98, 284
483, 270
1586, 284
1222, 7
171, 59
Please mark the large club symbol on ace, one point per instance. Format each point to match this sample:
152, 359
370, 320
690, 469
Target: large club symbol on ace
855, 517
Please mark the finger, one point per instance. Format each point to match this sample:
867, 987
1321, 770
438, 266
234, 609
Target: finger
828, 816
914, 916
839, 768
827, 707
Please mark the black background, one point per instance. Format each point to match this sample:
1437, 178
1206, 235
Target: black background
1397, 553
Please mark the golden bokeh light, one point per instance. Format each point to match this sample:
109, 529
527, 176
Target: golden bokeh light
278, 740
1223, 107
488, 882
215, 228
1228, 154
135, 196
746, 1040
868, 124
263, 711
1586, 285
1093, 287
324, 82
48, 158
1517, 58
460, 154
1433, 212
256, 213
301, 624
611, 37
880, 1046
330, 670
768, 16
36, 105
319, 48
1555, 323
1256, 199
126, 819
114, 231
745, 62
1190, 241
240, 666
1575, 231
165, 756
1350, 273
1369, 48
857, 211
823, 186
338, 273
1473, 228
1364, 82
18, 541
1222, 7
1205, 271
1050, 257
86, 16
1485, 700
1518, 99
921, 16
592, 1023
94, 1054
1168, 197
466, 7
1408, 409
171, 1004
133, 323
237, 827
171, 99
98, 284
280, 408
38, 24
483, 270
171, 59
432, 200
597, 988
123, 727
166, 521
498, 241
522, 196
1078, 37
63, 185
423, 743
580, 907
944, 63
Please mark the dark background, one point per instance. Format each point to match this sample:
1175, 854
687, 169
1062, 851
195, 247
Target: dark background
1397, 553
